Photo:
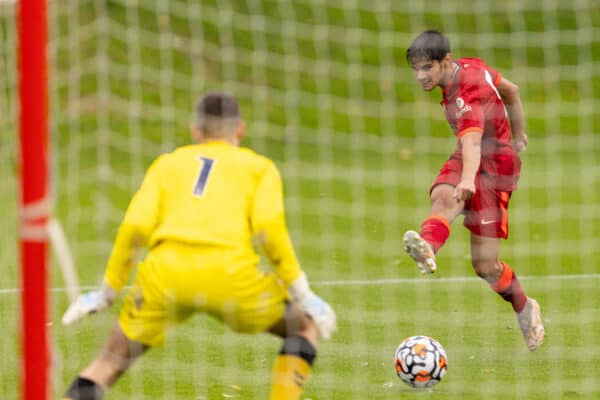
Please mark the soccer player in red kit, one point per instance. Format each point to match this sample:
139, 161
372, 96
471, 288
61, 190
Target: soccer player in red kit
485, 112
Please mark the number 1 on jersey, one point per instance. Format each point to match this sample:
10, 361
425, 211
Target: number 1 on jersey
207, 164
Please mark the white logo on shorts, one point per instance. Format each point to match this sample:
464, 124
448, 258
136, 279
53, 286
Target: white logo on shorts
487, 222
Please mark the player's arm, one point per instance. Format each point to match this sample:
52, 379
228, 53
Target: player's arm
270, 229
470, 140
137, 225
135, 229
509, 92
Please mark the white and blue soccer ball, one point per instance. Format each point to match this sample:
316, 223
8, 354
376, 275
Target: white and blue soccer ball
420, 361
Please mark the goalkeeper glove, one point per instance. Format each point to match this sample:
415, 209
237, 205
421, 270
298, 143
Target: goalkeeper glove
89, 303
314, 306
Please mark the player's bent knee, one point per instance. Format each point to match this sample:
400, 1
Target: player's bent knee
300, 323
295, 322
487, 271
443, 203
310, 330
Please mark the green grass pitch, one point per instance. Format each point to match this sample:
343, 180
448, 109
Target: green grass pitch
356, 172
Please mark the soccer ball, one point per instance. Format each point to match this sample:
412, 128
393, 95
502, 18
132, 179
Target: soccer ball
421, 361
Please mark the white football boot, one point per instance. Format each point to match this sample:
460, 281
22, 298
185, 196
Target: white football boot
420, 251
530, 322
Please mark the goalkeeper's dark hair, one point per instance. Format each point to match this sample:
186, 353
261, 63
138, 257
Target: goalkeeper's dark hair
430, 45
218, 114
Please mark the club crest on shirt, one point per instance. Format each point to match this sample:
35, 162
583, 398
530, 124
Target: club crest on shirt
462, 107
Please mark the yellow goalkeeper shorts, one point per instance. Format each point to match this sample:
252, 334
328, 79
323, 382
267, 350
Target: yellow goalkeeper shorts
175, 281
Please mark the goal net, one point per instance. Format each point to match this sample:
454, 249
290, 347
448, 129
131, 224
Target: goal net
326, 93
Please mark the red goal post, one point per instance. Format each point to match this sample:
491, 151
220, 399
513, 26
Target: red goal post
34, 206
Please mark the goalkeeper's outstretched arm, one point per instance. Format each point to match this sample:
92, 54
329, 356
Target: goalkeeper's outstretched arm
270, 229
127, 245
138, 223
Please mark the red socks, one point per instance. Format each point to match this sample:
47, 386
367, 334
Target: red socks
435, 231
509, 289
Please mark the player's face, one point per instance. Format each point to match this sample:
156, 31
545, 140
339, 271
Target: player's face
427, 73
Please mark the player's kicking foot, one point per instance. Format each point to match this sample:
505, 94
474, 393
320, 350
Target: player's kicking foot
530, 322
420, 251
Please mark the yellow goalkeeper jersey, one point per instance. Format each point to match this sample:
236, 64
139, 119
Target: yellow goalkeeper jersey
214, 196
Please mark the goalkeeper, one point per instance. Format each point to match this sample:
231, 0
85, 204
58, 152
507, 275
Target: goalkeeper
199, 211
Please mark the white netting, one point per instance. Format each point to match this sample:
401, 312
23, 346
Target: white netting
326, 92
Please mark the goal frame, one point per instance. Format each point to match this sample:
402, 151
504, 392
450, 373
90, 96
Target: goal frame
34, 201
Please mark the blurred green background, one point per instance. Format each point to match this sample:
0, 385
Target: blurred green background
326, 92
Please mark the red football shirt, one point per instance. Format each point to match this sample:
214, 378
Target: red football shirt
472, 103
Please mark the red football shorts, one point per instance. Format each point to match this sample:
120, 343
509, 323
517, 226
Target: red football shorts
486, 213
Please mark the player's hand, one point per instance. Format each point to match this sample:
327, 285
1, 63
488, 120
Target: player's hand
314, 306
89, 303
520, 142
321, 313
464, 191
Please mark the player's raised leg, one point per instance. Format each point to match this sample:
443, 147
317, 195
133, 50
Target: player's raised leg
116, 356
503, 280
435, 229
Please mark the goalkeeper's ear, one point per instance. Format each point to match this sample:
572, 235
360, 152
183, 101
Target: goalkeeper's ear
240, 132
196, 133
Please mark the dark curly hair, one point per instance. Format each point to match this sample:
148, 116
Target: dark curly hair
430, 45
